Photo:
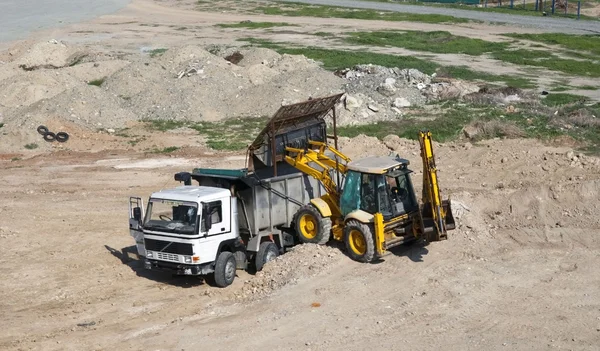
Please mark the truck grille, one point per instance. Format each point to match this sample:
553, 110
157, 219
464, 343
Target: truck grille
174, 248
167, 257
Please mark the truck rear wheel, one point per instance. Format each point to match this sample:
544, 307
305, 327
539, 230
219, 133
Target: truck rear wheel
225, 269
358, 238
266, 252
311, 227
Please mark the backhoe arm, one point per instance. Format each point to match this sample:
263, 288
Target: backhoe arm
431, 190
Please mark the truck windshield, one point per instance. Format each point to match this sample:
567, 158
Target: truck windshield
171, 216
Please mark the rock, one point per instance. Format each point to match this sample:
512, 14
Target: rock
545, 168
401, 102
470, 132
504, 160
570, 155
386, 89
373, 108
351, 103
390, 81
511, 109
110, 130
395, 109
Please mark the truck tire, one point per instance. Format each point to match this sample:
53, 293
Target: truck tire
225, 269
311, 227
266, 252
358, 238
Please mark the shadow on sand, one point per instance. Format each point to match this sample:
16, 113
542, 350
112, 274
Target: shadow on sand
129, 257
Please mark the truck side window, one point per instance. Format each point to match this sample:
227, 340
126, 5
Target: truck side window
215, 210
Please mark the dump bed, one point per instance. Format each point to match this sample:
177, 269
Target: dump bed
266, 203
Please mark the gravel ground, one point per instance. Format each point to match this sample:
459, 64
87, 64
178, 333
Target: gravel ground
547, 24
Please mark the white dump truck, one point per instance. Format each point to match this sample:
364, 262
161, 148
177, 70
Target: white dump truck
233, 219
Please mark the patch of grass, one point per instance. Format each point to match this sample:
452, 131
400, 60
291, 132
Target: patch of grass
562, 99
1, 125
254, 25
577, 122
587, 87
15, 159
31, 146
157, 52
230, 134
436, 41
166, 150
303, 10
544, 59
589, 43
463, 72
126, 98
339, 59
97, 82
166, 124
324, 34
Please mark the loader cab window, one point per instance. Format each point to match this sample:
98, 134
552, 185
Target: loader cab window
402, 193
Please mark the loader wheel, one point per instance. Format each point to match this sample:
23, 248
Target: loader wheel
358, 238
311, 226
266, 252
225, 268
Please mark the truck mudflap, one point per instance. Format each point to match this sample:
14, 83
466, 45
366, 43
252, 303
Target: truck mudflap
178, 268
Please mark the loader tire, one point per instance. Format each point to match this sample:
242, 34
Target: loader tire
225, 269
266, 252
311, 227
358, 238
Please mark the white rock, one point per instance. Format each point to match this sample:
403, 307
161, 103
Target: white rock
351, 103
390, 81
401, 102
373, 108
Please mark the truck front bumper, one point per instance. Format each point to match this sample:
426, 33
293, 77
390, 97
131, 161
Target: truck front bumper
178, 268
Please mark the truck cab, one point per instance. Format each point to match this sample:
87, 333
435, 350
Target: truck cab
189, 230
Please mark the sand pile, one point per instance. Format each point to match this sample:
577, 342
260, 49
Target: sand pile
301, 262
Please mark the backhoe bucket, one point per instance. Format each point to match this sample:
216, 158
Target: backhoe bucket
430, 230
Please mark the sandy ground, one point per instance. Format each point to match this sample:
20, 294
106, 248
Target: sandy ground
519, 272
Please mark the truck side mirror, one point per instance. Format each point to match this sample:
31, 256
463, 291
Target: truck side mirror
137, 214
206, 217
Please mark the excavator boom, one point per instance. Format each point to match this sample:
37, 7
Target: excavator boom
441, 214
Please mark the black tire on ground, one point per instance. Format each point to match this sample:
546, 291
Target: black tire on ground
266, 252
311, 227
358, 239
62, 137
42, 130
49, 136
225, 268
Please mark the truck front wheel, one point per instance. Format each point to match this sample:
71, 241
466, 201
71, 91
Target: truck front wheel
311, 227
225, 268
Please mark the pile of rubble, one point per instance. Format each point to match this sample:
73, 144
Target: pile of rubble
302, 261
376, 93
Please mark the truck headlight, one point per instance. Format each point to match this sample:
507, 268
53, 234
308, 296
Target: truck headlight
149, 254
188, 259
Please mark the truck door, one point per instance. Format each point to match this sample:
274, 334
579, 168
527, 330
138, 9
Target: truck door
220, 212
136, 216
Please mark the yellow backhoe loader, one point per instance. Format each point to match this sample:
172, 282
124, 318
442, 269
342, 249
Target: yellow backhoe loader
376, 208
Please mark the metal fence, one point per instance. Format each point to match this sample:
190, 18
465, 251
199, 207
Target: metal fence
563, 8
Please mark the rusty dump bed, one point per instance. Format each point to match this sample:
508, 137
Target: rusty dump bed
292, 125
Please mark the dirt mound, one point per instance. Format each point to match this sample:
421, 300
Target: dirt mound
51, 54
301, 262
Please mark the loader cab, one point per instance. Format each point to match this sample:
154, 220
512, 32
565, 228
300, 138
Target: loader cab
379, 185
